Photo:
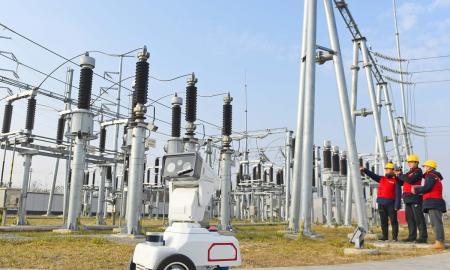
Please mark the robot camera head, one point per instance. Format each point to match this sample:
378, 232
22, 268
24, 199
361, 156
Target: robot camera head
182, 166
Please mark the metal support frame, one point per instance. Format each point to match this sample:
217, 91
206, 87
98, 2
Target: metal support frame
390, 113
373, 101
21, 212
135, 177
346, 117
52, 189
296, 172
225, 176
101, 196
287, 173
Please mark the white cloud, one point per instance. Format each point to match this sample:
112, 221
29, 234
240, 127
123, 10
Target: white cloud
440, 4
409, 14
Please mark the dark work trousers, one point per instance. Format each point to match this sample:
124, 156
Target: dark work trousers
387, 212
416, 220
437, 224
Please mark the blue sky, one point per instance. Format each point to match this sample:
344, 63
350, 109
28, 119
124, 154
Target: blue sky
223, 40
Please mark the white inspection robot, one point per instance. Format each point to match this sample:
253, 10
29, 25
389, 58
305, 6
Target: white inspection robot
185, 245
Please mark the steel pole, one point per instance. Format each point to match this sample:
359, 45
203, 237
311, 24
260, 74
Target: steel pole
225, 175
76, 183
68, 106
296, 172
52, 189
308, 120
101, 196
392, 124
399, 55
116, 132
135, 176
373, 101
24, 192
346, 117
354, 98
287, 172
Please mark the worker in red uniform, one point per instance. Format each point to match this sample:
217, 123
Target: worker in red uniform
388, 199
433, 201
413, 202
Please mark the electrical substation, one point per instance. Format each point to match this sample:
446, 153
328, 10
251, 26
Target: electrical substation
110, 160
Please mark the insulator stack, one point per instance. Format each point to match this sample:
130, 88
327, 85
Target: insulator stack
176, 116
125, 176
148, 177
31, 114
156, 170
361, 162
343, 165
271, 174
238, 180
124, 136
60, 130
93, 179
335, 159
227, 116
141, 84
254, 173
367, 165
141, 87
292, 148
86, 179
259, 171
279, 177
109, 173
191, 100
241, 171
264, 176
7, 116
313, 176
102, 140
327, 155
84, 93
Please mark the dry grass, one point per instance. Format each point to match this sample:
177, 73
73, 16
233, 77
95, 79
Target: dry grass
64, 253
261, 246
268, 248
57, 220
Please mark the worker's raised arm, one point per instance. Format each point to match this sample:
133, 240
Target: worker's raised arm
375, 177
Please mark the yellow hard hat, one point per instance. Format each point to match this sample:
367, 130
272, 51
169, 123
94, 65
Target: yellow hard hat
430, 163
389, 165
412, 158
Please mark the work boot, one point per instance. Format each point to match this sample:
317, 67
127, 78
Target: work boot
439, 245
409, 239
421, 241
383, 238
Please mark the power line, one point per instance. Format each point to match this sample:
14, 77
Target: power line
71, 61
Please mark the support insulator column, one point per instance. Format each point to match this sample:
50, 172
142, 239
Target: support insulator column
175, 144
191, 114
7, 116
81, 131
225, 169
137, 151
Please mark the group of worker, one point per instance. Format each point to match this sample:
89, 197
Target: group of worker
418, 199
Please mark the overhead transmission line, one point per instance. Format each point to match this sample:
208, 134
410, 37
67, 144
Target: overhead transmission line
106, 79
